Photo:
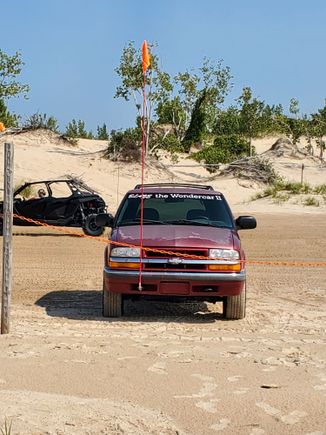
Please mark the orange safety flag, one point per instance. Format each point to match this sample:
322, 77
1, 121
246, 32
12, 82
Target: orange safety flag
146, 60
2, 127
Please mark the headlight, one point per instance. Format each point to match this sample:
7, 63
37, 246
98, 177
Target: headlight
125, 252
224, 254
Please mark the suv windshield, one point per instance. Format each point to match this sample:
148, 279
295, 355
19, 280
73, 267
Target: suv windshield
175, 208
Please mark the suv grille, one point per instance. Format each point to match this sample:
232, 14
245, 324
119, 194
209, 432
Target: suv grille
199, 252
163, 260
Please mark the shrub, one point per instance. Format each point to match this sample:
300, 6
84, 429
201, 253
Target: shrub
280, 197
321, 189
169, 143
281, 191
306, 188
224, 150
38, 120
124, 145
296, 188
235, 144
291, 187
311, 201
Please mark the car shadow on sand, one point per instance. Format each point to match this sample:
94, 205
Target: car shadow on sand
87, 305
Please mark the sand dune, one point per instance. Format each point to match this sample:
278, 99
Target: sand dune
43, 155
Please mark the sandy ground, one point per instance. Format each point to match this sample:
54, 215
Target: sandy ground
166, 368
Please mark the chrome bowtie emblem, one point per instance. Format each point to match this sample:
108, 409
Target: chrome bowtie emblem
175, 260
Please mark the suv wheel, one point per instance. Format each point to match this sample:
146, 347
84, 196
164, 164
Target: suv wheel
112, 303
234, 307
90, 228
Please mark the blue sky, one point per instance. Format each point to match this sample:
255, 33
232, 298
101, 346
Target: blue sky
71, 48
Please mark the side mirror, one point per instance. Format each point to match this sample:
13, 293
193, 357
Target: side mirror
246, 223
104, 220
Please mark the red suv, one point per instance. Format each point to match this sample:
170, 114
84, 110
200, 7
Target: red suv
191, 244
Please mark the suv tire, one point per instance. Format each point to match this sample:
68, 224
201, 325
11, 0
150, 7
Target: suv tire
112, 303
90, 228
234, 307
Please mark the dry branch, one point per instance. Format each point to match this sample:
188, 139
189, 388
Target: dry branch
252, 168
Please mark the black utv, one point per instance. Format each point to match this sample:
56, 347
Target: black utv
64, 202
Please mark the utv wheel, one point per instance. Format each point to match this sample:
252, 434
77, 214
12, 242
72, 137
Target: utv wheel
112, 304
234, 307
90, 228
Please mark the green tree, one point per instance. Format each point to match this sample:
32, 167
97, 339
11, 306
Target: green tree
228, 122
294, 107
292, 126
131, 75
213, 80
77, 129
251, 111
268, 120
172, 112
82, 132
309, 133
7, 118
102, 132
318, 129
72, 129
216, 79
10, 68
188, 93
197, 127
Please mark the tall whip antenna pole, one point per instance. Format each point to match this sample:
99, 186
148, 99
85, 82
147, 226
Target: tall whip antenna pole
144, 122
143, 145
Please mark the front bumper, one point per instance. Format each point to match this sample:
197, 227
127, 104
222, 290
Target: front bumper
175, 283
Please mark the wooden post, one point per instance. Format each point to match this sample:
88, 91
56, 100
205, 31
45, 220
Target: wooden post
302, 168
7, 237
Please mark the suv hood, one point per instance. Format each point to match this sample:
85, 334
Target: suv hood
186, 236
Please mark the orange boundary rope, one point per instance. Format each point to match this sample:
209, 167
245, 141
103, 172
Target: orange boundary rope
68, 231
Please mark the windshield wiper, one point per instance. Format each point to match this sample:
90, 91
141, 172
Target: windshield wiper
136, 221
188, 222
194, 222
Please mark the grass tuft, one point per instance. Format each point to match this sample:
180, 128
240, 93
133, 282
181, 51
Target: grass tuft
6, 429
282, 190
280, 197
320, 190
311, 201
